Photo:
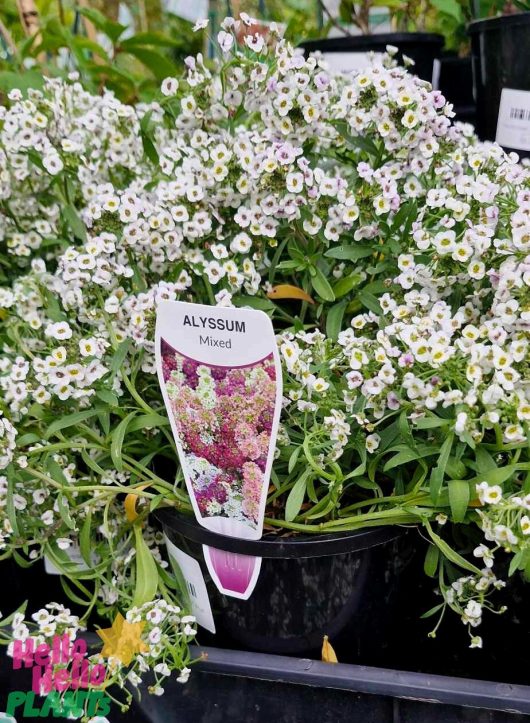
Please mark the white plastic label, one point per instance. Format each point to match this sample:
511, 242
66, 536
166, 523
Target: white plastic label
195, 585
513, 123
221, 379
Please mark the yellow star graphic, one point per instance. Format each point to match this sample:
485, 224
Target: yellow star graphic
122, 640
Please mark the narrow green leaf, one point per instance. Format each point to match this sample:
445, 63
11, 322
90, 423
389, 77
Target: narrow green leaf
74, 221
117, 441
349, 253
160, 66
451, 554
438, 473
431, 422
347, 283
458, 498
293, 459
148, 421
119, 355
432, 611
321, 285
92, 464
69, 421
334, 320
64, 511
85, 545
370, 302
432, 556
296, 497
10, 505
108, 397
146, 583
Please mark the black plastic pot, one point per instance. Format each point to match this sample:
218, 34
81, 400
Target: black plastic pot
453, 76
423, 48
309, 586
501, 59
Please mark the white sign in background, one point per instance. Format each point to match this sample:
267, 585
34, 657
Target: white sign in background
513, 123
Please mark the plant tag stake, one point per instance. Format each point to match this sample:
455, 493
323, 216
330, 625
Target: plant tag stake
220, 375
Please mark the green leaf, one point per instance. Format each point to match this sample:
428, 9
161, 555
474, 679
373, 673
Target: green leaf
321, 285
370, 302
449, 7
64, 511
431, 422
451, 554
293, 459
29, 438
432, 611
108, 397
73, 219
296, 497
438, 473
117, 438
119, 355
150, 149
56, 473
112, 29
85, 544
157, 63
360, 142
254, 302
156, 502
498, 475
79, 44
146, 571
349, 253
4, 622
407, 454
334, 320
92, 464
148, 421
69, 421
347, 283
485, 462
10, 505
150, 38
458, 498
432, 556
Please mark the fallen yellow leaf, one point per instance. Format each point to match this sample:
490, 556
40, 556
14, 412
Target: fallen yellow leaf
328, 654
286, 291
130, 504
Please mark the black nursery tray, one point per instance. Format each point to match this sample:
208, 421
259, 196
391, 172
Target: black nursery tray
246, 687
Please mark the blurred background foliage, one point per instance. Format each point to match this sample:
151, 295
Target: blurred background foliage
128, 46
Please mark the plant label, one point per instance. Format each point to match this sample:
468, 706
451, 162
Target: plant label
513, 123
189, 575
220, 375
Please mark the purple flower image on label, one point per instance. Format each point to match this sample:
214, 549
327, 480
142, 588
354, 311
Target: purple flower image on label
224, 418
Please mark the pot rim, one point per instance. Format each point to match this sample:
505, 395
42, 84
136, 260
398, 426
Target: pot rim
502, 21
341, 43
272, 546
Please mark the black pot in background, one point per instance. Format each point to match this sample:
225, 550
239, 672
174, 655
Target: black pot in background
338, 585
500, 50
453, 76
423, 48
